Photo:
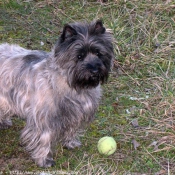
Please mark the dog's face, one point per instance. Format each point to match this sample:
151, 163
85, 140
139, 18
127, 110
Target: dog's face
84, 52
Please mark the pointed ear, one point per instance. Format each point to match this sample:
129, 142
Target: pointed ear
68, 32
99, 28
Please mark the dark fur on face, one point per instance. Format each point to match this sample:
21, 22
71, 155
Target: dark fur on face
57, 92
90, 49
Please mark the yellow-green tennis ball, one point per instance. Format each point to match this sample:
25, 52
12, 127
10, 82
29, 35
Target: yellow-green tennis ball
107, 145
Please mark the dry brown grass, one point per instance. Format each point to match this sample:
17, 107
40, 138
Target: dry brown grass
138, 107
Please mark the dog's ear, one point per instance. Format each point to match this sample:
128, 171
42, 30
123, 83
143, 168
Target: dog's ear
68, 32
98, 27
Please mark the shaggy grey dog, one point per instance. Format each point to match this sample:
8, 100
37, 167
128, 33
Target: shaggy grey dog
57, 93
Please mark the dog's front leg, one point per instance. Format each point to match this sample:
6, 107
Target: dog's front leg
38, 143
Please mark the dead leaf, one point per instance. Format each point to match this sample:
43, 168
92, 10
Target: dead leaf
161, 172
155, 145
135, 123
65, 165
135, 144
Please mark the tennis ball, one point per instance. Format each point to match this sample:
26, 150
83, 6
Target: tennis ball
107, 145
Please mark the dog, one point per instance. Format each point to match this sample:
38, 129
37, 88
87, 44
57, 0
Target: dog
56, 92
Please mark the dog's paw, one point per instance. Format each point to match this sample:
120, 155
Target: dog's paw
49, 162
72, 144
5, 124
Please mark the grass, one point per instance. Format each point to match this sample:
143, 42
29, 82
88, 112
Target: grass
141, 87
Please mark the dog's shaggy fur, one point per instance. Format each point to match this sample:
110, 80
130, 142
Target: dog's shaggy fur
57, 93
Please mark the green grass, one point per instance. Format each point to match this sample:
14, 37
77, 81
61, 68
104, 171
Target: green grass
144, 70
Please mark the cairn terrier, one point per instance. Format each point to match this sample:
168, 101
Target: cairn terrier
57, 93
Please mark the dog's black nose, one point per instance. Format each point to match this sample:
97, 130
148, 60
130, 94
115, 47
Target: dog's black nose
94, 70
94, 67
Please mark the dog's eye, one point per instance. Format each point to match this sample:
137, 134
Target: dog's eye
98, 53
81, 56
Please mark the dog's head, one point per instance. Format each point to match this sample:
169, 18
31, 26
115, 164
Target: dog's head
85, 51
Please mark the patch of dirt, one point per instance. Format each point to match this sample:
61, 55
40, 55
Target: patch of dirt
14, 164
